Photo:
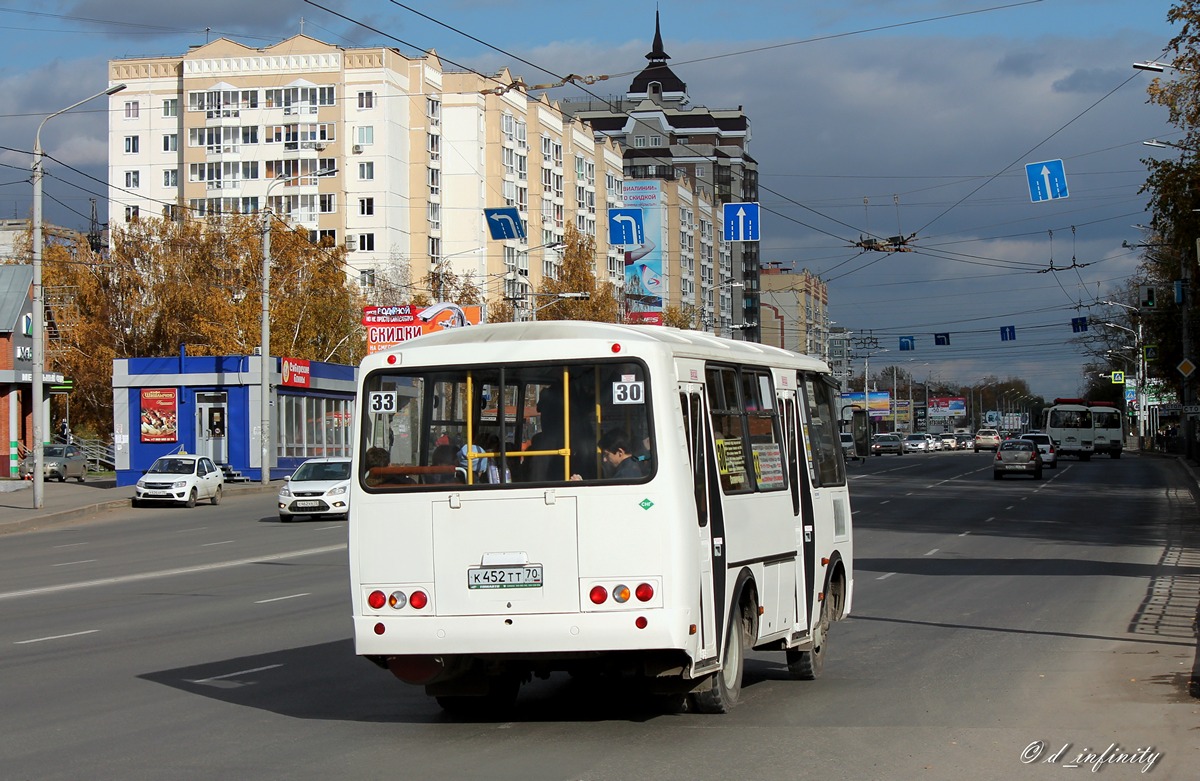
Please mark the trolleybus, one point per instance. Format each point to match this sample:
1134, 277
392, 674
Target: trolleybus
498, 532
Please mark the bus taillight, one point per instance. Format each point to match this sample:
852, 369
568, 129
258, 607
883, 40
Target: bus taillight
598, 595
621, 594
644, 592
377, 599
397, 599
419, 599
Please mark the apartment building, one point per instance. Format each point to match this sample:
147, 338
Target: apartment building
688, 148
794, 310
388, 154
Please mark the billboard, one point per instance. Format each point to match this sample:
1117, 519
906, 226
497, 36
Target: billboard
878, 406
645, 278
388, 326
160, 414
947, 407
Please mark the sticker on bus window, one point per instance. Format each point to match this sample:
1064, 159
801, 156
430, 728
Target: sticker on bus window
382, 402
629, 392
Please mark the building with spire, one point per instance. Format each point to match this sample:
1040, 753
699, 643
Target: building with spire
682, 162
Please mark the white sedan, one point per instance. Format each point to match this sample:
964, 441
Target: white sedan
180, 479
318, 487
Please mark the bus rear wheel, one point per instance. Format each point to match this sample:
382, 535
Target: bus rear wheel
807, 665
727, 682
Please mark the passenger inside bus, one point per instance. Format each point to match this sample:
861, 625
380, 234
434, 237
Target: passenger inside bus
619, 461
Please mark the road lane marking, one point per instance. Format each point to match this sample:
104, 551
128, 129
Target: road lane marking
56, 637
234, 675
935, 550
280, 599
71, 545
210, 544
989, 520
167, 573
885, 576
885, 501
964, 534
72, 563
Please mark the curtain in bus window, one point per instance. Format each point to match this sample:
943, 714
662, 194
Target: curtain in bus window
762, 423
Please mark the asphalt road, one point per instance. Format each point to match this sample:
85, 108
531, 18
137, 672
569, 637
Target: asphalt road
994, 622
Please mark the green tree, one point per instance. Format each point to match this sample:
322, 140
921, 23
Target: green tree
576, 274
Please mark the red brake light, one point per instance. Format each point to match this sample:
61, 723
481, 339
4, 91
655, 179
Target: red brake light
377, 599
644, 592
598, 595
418, 600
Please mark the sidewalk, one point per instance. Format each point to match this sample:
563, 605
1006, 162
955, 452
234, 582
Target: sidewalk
64, 501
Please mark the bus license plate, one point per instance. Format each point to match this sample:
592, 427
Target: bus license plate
527, 576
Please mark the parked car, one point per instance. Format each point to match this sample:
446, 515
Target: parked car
915, 443
1017, 456
987, 439
181, 478
1045, 446
318, 487
58, 462
887, 443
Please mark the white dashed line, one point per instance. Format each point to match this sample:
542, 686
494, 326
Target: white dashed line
73, 563
935, 550
55, 637
280, 599
885, 576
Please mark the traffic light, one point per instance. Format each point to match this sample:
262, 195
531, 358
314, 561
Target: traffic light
1146, 300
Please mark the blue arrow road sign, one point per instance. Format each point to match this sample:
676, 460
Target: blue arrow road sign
741, 221
504, 223
625, 227
1047, 180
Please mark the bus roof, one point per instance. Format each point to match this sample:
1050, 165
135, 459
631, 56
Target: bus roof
678, 341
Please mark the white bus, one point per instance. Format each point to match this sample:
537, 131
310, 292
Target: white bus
638, 500
1108, 436
1069, 424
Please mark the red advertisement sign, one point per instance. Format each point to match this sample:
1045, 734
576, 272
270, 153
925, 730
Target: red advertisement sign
160, 415
388, 326
295, 372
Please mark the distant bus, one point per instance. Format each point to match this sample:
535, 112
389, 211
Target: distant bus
1069, 424
652, 503
1108, 435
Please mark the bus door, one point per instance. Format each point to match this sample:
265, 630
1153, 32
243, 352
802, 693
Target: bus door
709, 550
211, 420
794, 458
827, 518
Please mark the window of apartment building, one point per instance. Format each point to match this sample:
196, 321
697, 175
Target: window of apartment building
434, 177
326, 96
435, 215
589, 172
433, 145
523, 198
522, 167
580, 197
366, 277
639, 141
508, 126
171, 177
433, 111
546, 150
366, 100
364, 134
509, 158
559, 215
366, 242
556, 149
510, 193
171, 142
170, 107
656, 140
132, 108
558, 185
132, 145
701, 172
328, 204
547, 179
250, 169
366, 206
366, 171
249, 134
579, 167
591, 201
131, 213
435, 249
132, 179
522, 134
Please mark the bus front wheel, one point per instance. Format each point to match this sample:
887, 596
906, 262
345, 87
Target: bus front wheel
727, 682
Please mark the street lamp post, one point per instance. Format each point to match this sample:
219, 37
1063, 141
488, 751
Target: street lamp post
39, 314
1141, 371
264, 358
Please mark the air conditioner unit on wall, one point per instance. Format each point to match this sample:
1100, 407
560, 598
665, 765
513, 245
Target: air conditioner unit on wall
358, 149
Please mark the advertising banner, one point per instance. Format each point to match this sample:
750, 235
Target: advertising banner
947, 407
160, 414
878, 406
295, 372
388, 326
645, 280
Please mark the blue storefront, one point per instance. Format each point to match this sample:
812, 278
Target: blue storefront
210, 405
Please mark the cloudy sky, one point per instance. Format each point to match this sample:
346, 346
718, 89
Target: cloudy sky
869, 118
